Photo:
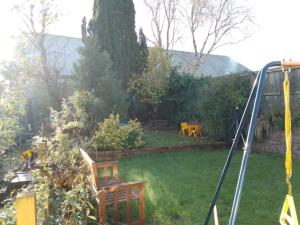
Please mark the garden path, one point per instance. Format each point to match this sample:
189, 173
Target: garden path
275, 142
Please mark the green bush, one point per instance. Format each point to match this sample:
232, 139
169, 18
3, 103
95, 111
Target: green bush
278, 122
111, 135
217, 101
263, 128
296, 121
62, 181
179, 104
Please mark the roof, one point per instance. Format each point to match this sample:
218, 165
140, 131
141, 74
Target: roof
63, 53
212, 65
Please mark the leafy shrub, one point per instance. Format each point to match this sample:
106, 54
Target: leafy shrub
278, 121
62, 182
132, 135
217, 100
9, 212
12, 109
296, 120
111, 135
152, 84
179, 104
263, 128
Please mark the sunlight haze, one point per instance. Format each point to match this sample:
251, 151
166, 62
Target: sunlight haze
274, 37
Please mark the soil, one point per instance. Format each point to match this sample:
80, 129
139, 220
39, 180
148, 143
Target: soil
275, 142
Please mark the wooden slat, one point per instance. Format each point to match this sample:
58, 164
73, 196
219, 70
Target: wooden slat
106, 171
128, 205
142, 205
106, 166
94, 175
115, 170
86, 157
106, 182
116, 207
102, 207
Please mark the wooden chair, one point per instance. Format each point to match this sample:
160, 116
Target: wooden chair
111, 190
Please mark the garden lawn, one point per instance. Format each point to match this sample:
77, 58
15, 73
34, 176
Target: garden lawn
169, 138
180, 186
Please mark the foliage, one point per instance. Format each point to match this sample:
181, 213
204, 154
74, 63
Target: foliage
153, 83
278, 121
179, 103
9, 212
113, 24
211, 101
12, 105
263, 128
99, 91
143, 53
217, 101
88, 109
111, 135
62, 183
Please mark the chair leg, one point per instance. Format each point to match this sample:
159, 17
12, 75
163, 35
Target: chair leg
128, 206
116, 207
182, 131
102, 207
141, 207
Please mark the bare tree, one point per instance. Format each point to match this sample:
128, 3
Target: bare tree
37, 16
195, 14
214, 24
164, 22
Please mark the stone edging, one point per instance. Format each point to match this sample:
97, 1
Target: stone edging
120, 154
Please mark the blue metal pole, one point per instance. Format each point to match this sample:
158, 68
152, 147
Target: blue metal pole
249, 141
232, 149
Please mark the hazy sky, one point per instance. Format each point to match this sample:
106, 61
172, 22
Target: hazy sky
275, 37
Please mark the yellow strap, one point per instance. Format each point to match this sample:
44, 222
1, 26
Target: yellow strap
288, 132
288, 214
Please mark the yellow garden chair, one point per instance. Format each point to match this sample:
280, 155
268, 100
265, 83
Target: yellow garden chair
196, 131
184, 127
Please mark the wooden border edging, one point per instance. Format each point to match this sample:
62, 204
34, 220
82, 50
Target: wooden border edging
120, 154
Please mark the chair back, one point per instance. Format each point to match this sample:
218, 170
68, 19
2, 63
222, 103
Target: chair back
184, 125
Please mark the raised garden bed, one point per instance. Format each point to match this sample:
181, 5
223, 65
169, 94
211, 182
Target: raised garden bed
120, 154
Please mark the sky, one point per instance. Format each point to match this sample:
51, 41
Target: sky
275, 33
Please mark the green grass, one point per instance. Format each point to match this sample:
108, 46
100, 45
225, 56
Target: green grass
180, 186
169, 138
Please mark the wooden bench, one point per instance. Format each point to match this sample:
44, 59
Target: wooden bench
111, 190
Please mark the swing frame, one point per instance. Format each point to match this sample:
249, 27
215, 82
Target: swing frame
255, 100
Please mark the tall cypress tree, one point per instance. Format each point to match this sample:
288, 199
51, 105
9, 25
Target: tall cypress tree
113, 24
143, 52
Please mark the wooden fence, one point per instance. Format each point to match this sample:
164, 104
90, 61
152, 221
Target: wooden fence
273, 100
